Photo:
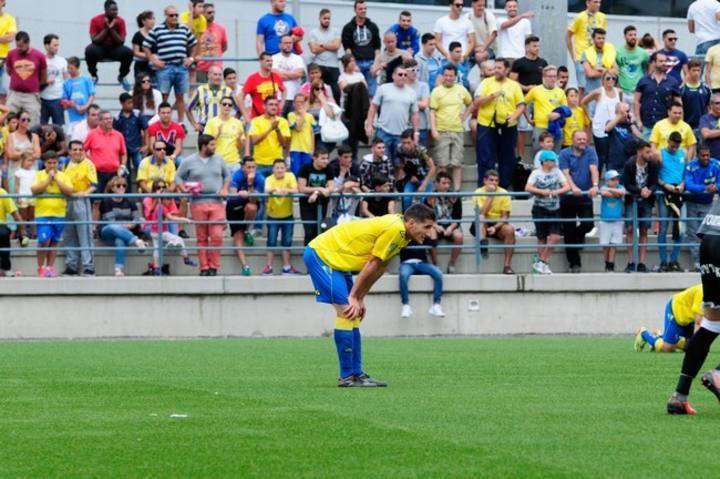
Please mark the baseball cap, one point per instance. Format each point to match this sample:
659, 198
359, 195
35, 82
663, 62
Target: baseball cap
548, 155
611, 174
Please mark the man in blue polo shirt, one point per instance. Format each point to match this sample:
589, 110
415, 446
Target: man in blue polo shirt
701, 181
710, 127
653, 94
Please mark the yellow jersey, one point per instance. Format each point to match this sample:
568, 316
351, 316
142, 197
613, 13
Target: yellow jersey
270, 148
582, 27
662, 129
280, 207
686, 304
149, 169
7, 206
226, 134
347, 247
301, 140
498, 110
82, 174
448, 105
500, 204
578, 121
545, 100
199, 23
51, 207
7, 25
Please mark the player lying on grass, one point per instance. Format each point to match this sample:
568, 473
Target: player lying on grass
682, 313
364, 246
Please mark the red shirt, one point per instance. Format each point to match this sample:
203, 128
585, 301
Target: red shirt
260, 87
170, 135
105, 149
25, 70
213, 43
151, 214
97, 24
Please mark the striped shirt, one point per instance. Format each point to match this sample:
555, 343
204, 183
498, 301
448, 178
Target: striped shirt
172, 46
207, 101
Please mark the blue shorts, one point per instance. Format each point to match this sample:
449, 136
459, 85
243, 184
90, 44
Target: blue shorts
673, 331
50, 229
297, 160
331, 286
173, 77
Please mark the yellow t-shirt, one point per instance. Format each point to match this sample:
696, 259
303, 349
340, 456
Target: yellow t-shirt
149, 169
7, 25
280, 207
501, 107
713, 57
199, 23
51, 207
82, 174
270, 148
7, 206
500, 204
226, 135
347, 247
662, 129
448, 103
301, 140
582, 27
544, 101
686, 304
577, 121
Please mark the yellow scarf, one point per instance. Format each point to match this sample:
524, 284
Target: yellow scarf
608, 59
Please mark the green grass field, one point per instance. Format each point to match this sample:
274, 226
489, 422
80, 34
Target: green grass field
478, 407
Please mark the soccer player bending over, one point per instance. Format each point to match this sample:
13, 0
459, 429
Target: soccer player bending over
682, 312
699, 345
364, 246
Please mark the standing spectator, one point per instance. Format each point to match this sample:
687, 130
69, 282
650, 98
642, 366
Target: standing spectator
648, 43
7, 209
703, 17
640, 178
281, 184
485, 26
398, 107
262, 85
671, 181
494, 211
598, 60
545, 99
206, 99
145, 22
171, 48
156, 165
57, 72
242, 207
414, 261
346, 174
605, 98
653, 94
78, 233
270, 137
80, 131
317, 182
712, 68
212, 43
417, 167
20, 142
291, 69
375, 163
302, 140
27, 68
676, 63
169, 132
563, 77
133, 128
528, 72
211, 172
455, 27
456, 59
611, 213
448, 211
272, 26
579, 164
107, 36
450, 106
388, 59
514, 31
361, 38
622, 132
146, 99
78, 94
229, 134
8, 29
579, 34
702, 177
673, 123
578, 120
193, 17
429, 60
422, 91
500, 103
632, 63
24, 178
710, 127
325, 44
695, 96
408, 38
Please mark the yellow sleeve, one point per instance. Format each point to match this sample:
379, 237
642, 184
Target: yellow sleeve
603, 21
211, 128
92, 173
291, 118
517, 94
142, 173
310, 120
291, 181
8, 206
467, 99
563, 98
434, 99
284, 127
170, 172
505, 204
655, 134
385, 246
38, 178
478, 200
573, 27
530, 97
689, 137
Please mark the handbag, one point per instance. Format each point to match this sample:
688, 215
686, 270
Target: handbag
332, 129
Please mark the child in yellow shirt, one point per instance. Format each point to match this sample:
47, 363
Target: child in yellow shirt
302, 138
281, 184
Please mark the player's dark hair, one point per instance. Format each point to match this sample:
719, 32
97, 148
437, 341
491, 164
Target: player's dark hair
22, 37
377, 140
427, 37
140, 19
641, 144
74, 142
419, 212
703, 147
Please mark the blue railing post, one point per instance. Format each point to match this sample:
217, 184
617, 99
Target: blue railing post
635, 245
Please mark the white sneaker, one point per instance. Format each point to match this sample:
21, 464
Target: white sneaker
406, 311
546, 268
537, 267
436, 310
119, 272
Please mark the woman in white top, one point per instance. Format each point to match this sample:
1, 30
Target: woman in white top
146, 99
20, 141
606, 99
351, 74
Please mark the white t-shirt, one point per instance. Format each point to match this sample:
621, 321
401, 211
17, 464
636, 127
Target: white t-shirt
702, 12
454, 30
355, 77
56, 69
25, 180
512, 40
290, 63
157, 99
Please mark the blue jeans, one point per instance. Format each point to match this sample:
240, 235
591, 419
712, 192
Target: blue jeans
285, 226
173, 77
663, 212
702, 49
122, 238
391, 145
51, 110
408, 269
364, 66
412, 188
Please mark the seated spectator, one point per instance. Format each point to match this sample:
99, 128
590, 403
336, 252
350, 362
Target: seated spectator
640, 178
372, 206
81, 130
701, 181
611, 214
24, 178
546, 185
132, 126
145, 22
21, 141
8, 209
78, 94
169, 132
107, 33
281, 185
346, 174
448, 211
494, 214
242, 207
121, 222
302, 138
157, 165
417, 167
27, 68
375, 163
316, 181
671, 180
207, 99
146, 99
413, 260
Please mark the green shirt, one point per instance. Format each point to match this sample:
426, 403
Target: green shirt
632, 66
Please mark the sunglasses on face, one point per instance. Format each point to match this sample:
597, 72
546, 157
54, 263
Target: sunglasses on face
160, 148
674, 39
145, 80
24, 119
120, 185
402, 74
457, 5
171, 15
611, 78
227, 104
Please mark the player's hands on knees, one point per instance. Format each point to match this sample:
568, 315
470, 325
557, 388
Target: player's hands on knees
355, 308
